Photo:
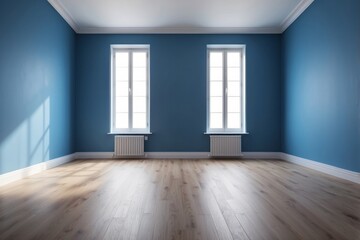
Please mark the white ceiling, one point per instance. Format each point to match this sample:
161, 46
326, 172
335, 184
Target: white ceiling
180, 16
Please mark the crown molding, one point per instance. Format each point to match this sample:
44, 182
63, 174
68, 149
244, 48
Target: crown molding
179, 30
295, 13
64, 14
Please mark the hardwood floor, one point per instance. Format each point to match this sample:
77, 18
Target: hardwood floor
180, 199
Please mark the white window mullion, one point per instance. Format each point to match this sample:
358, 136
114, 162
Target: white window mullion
225, 94
208, 90
113, 91
243, 89
147, 89
130, 90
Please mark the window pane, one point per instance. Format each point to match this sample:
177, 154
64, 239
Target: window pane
122, 120
216, 120
122, 89
234, 89
233, 74
233, 59
139, 59
122, 59
139, 120
233, 120
130, 72
139, 104
139, 89
122, 74
216, 89
122, 104
139, 73
216, 59
216, 74
216, 104
233, 104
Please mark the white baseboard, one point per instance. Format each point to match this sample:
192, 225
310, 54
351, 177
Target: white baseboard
174, 155
206, 155
37, 168
94, 155
328, 169
262, 155
331, 170
334, 171
177, 155
161, 155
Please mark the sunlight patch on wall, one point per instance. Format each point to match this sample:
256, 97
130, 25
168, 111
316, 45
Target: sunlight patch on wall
29, 143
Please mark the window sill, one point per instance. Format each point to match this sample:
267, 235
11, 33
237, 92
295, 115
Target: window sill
226, 133
130, 133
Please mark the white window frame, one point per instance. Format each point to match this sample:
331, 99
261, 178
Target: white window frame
225, 130
130, 48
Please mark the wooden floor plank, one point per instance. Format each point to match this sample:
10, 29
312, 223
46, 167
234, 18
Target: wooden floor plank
180, 199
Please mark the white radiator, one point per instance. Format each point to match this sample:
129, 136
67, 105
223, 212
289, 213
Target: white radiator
225, 146
129, 146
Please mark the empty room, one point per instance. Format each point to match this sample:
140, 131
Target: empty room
180, 119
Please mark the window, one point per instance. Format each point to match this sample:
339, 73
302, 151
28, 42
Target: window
130, 89
226, 89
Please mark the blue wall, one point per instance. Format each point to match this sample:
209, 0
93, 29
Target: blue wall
321, 88
178, 91
36, 77
303, 88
